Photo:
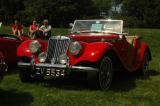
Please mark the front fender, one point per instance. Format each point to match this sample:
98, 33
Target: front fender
23, 49
92, 52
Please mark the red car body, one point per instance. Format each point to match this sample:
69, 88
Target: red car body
8, 47
131, 55
97, 52
124, 50
24, 51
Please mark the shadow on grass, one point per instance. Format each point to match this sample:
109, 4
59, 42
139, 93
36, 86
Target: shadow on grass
12, 70
123, 82
153, 73
67, 83
15, 98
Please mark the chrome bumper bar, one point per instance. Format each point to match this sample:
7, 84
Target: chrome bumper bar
57, 66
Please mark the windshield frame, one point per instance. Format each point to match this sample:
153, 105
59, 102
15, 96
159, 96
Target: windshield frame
107, 20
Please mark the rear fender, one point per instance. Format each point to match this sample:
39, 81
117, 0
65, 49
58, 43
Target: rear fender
142, 50
92, 52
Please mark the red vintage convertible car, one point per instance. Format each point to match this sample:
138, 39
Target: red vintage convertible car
8, 46
8, 49
93, 46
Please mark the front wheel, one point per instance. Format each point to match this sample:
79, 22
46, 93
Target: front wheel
25, 74
105, 73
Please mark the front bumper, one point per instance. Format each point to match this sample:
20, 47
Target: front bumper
46, 66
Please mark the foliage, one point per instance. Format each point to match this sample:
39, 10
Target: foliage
138, 13
9, 8
145, 11
59, 12
103, 5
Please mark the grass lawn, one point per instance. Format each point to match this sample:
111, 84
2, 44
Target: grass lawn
127, 89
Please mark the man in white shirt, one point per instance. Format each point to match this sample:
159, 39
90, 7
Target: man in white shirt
46, 29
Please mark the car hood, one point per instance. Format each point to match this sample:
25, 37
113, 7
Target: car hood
90, 37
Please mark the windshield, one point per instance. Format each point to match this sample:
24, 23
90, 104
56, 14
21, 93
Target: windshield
105, 26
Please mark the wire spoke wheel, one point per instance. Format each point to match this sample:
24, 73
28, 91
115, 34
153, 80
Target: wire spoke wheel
105, 74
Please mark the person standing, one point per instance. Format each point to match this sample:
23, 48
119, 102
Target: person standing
46, 29
17, 28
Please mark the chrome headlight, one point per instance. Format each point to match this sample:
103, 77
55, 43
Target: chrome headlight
35, 46
63, 59
42, 57
75, 48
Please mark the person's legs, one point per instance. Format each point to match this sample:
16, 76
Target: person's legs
19, 33
15, 33
48, 35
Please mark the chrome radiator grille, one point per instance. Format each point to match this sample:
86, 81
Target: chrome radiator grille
57, 46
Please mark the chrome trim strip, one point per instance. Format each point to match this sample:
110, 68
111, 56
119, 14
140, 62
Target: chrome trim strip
58, 66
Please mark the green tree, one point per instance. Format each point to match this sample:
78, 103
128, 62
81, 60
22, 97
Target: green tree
9, 8
147, 12
59, 12
103, 5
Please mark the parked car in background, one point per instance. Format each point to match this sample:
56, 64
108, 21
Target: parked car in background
8, 47
93, 46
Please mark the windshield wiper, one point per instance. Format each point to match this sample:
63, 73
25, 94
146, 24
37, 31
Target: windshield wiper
76, 32
90, 31
86, 32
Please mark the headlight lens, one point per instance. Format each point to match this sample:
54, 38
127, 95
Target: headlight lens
63, 59
75, 48
35, 46
42, 57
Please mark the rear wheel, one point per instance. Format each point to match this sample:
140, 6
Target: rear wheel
145, 67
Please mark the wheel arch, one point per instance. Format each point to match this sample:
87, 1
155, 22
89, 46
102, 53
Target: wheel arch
145, 48
24, 59
117, 64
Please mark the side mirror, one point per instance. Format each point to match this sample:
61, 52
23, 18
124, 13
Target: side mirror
121, 37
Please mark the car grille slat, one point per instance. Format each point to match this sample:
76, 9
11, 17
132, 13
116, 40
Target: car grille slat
57, 46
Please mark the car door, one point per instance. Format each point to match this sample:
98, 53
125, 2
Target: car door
126, 52
121, 47
131, 55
